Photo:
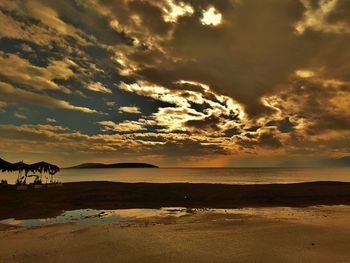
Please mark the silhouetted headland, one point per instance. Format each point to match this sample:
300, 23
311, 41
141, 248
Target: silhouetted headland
37, 203
113, 165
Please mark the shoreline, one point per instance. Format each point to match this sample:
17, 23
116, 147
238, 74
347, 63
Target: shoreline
47, 202
310, 234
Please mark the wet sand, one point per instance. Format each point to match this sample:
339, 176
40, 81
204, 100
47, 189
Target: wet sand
46, 202
269, 223
311, 234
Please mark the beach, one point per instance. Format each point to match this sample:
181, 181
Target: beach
302, 222
279, 234
46, 202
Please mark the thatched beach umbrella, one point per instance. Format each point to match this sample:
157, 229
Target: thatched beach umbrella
22, 167
5, 166
44, 167
41, 167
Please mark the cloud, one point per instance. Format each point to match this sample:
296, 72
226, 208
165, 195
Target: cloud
316, 17
98, 87
219, 56
38, 78
197, 108
126, 126
24, 20
12, 28
3, 105
130, 109
20, 116
247, 66
48, 139
51, 120
315, 104
232, 58
16, 95
226, 77
50, 17
88, 19
316, 116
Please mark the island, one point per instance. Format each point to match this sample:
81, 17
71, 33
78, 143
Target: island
113, 165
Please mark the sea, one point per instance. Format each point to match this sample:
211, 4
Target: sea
199, 175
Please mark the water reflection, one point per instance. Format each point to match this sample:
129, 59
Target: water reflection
94, 216
322, 215
202, 175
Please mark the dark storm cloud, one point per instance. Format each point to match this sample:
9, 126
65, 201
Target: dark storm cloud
341, 14
324, 104
209, 123
266, 139
152, 16
240, 57
284, 125
150, 13
251, 54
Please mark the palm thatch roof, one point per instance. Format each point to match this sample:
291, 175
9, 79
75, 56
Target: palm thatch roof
5, 166
21, 166
35, 167
44, 167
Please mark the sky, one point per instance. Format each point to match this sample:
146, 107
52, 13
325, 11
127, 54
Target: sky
174, 83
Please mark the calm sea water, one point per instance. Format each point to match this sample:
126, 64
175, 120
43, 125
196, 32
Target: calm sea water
201, 175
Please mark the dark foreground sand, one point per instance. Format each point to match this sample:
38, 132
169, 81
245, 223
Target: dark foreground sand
36, 203
311, 234
271, 223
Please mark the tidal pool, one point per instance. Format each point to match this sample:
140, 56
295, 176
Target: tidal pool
94, 216
322, 215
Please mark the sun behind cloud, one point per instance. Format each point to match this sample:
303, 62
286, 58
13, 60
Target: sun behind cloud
211, 17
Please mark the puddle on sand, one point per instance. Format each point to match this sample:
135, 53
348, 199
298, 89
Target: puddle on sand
93, 216
315, 215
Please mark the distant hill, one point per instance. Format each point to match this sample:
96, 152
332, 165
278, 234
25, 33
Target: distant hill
329, 162
113, 165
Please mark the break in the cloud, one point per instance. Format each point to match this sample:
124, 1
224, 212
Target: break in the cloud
213, 80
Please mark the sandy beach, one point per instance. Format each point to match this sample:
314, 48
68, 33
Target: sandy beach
46, 202
279, 234
307, 222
